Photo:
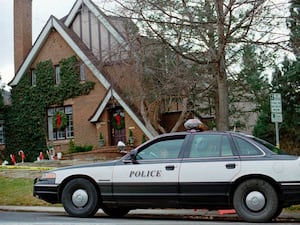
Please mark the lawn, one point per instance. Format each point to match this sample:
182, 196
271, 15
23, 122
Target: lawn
18, 191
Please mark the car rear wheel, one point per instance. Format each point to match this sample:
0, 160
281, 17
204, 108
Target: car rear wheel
80, 198
255, 200
115, 212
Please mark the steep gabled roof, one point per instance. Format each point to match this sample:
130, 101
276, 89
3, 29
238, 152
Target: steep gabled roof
83, 53
99, 15
55, 23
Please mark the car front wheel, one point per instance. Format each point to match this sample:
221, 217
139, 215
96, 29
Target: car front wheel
255, 200
115, 212
80, 198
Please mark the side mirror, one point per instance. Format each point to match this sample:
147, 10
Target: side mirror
133, 156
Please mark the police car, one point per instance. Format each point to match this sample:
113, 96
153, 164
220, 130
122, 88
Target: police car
211, 170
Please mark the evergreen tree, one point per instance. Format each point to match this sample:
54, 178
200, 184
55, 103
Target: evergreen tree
249, 88
294, 25
286, 81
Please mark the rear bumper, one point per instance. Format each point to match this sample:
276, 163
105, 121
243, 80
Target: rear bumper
46, 191
290, 193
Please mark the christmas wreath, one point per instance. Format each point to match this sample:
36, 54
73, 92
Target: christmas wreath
59, 120
118, 121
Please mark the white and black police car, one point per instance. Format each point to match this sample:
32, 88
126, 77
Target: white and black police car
211, 170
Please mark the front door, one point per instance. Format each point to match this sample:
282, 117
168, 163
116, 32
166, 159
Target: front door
153, 180
118, 132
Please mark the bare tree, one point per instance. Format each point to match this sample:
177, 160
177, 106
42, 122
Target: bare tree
168, 83
210, 33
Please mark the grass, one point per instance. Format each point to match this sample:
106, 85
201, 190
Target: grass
18, 191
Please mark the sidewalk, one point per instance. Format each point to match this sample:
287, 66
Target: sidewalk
188, 213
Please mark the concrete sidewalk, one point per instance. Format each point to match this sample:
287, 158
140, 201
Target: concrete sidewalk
188, 213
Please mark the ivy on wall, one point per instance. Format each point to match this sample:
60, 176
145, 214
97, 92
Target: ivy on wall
26, 122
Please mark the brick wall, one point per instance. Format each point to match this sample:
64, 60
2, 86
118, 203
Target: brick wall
22, 30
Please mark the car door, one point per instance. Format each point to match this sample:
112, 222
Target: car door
152, 178
207, 170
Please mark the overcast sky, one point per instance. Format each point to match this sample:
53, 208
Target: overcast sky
41, 11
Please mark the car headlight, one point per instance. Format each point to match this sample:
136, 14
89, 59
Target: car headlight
47, 176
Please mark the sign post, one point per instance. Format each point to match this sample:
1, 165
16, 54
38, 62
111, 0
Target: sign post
276, 113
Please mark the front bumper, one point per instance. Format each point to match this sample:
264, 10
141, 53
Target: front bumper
46, 190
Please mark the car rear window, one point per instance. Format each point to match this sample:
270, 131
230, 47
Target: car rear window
270, 147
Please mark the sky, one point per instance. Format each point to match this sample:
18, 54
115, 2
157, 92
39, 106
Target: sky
41, 11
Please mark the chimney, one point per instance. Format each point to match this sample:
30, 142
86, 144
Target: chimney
22, 30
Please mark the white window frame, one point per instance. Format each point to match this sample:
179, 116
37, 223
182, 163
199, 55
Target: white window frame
82, 72
57, 74
68, 132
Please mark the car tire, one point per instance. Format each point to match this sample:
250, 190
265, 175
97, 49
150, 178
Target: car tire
115, 212
278, 212
255, 200
80, 198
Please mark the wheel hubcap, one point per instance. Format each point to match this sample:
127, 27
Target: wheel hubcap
80, 198
255, 201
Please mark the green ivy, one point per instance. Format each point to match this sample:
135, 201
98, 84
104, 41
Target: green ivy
26, 123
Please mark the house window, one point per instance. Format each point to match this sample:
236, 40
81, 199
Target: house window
82, 72
60, 134
2, 141
57, 74
33, 77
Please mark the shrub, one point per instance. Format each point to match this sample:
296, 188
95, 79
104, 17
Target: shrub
79, 148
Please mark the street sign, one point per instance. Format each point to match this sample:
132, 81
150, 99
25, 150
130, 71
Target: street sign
276, 117
276, 113
275, 100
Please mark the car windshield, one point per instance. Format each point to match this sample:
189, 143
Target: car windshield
271, 147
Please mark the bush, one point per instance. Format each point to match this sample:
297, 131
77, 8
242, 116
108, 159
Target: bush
78, 148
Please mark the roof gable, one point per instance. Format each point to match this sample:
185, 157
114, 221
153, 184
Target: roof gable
53, 23
112, 93
98, 14
102, 34
56, 24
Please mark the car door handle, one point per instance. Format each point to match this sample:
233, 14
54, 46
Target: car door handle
170, 167
230, 165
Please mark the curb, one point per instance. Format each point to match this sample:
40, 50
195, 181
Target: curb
183, 213
177, 212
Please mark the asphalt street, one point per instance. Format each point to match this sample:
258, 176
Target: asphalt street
286, 215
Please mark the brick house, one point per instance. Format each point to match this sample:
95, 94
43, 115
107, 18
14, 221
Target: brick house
98, 44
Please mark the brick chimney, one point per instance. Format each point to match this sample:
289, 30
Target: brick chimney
22, 30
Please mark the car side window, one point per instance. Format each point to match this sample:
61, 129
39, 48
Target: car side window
245, 148
165, 149
226, 149
210, 146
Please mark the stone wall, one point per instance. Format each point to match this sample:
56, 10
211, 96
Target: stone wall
104, 153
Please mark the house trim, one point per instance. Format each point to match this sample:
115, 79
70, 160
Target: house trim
98, 14
33, 52
53, 23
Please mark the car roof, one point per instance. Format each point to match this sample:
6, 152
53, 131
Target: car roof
204, 132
